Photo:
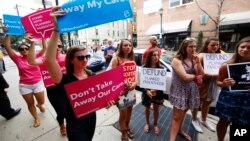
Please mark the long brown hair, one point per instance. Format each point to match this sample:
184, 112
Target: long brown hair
148, 61
120, 53
70, 56
236, 57
205, 47
182, 51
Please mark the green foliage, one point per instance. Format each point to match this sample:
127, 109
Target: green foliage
200, 37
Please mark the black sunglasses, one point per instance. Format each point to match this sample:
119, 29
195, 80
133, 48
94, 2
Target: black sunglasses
59, 46
22, 49
82, 57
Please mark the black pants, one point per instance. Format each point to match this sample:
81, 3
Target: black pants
83, 129
5, 108
57, 100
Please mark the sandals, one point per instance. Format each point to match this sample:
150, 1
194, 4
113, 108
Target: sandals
41, 107
146, 128
63, 130
124, 135
157, 131
130, 133
124, 139
36, 123
184, 135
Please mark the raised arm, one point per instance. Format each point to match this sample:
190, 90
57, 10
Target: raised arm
7, 43
197, 64
50, 56
180, 71
31, 56
44, 47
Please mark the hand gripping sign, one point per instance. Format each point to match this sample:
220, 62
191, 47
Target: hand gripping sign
39, 24
91, 94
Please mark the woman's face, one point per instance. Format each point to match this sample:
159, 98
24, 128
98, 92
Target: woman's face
213, 46
126, 47
191, 48
244, 50
81, 59
24, 50
59, 49
155, 57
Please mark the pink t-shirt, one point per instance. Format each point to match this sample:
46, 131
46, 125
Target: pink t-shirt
28, 74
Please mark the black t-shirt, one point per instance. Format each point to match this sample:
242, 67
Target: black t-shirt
70, 116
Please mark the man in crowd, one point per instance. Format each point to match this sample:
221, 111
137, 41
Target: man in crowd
153, 45
108, 53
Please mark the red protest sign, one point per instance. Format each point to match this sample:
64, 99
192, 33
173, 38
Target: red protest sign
91, 94
129, 69
45, 74
39, 24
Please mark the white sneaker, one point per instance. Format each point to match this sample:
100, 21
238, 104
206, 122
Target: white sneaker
207, 125
197, 126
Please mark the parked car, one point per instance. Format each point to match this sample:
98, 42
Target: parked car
164, 61
96, 61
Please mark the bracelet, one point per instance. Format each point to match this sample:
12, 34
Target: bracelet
56, 30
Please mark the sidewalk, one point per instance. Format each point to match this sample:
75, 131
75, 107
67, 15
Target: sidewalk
20, 128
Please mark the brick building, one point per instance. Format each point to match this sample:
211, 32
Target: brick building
183, 18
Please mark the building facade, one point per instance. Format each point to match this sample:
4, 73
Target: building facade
184, 18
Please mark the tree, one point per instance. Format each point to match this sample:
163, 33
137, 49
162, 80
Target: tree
217, 19
200, 37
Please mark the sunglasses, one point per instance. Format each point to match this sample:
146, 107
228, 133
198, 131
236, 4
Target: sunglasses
82, 57
59, 46
22, 49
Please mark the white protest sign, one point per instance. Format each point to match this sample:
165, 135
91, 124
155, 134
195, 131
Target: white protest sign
153, 78
213, 61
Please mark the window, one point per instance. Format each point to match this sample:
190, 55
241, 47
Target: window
113, 33
174, 3
118, 33
96, 31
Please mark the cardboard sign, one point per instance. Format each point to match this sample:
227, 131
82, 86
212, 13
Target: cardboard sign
213, 61
82, 14
240, 72
13, 24
153, 78
91, 94
129, 70
39, 24
45, 74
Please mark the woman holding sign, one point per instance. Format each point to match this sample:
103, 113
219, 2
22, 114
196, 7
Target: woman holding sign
184, 93
233, 107
78, 129
30, 84
152, 96
208, 89
125, 57
55, 98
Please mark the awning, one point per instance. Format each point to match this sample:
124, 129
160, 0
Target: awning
171, 27
235, 18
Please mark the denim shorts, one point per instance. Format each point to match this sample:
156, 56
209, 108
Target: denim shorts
234, 106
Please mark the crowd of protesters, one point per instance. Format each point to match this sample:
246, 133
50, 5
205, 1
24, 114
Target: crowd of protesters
191, 88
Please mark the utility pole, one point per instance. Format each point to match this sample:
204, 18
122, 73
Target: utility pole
161, 40
44, 5
17, 10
